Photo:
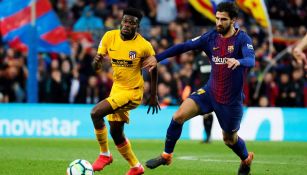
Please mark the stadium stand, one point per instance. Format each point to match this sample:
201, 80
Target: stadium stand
71, 79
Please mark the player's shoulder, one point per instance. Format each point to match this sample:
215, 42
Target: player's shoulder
139, 37
112, 32
242, 34
141, 40
210, 34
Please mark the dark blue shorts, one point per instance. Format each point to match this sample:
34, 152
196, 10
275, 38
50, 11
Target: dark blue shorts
229, 116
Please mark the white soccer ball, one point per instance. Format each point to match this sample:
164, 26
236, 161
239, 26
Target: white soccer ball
80, 167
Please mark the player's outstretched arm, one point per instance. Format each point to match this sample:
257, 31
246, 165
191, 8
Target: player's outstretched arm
298, 52
153, 102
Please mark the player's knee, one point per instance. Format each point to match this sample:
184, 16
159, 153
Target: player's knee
229, 139
178, 117
94, 113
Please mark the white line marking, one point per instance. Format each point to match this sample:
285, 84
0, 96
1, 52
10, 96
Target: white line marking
195, 158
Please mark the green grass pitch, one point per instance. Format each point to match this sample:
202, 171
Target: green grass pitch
52, 156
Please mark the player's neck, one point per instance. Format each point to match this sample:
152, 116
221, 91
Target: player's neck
125, 38
230, 33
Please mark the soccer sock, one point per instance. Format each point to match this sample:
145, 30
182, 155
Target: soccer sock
102, 138
173, 134
126, 151
208, 126
239, 148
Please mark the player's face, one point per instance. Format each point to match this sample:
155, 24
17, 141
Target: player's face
223, 22
128, 26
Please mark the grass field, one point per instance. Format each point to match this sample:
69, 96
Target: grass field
52, 156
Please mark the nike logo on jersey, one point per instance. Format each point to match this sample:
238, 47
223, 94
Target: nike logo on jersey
216, 48
111, 49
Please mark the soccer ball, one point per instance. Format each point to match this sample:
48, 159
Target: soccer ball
80, 167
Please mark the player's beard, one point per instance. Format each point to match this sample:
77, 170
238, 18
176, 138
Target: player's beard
128, 36
223, 30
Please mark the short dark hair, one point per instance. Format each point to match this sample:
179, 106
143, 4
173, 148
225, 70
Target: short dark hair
133, 12
229, 7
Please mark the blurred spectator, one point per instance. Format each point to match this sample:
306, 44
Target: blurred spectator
297, 85
165, 98
77, 88
269, 89
101, 10
166, 11
92, 90
4, 89
284, 90
88, 22
264, 102
77, 9
55, 88
70, 75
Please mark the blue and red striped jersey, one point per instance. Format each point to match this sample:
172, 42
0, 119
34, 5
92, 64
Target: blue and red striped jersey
225, 84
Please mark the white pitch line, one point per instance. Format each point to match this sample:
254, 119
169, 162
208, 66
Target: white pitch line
194, 158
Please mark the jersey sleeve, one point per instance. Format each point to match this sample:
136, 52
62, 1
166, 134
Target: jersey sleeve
193, 44
248, 52
102, 48
149, 51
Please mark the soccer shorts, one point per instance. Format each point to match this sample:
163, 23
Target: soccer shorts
122, 101
229, 116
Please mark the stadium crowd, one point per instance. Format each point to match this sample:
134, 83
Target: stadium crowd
71, 78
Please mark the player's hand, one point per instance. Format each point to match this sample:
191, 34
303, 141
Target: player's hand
150, 63
232, 63
300, 56
153, 104
97, 62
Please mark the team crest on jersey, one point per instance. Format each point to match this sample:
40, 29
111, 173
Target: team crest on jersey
230, 48
132, 55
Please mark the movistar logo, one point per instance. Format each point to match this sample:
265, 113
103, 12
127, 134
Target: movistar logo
218, 60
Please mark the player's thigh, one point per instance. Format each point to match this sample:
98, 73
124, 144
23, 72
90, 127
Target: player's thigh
202, 99
102, 109
187, 110
122, 102
229, 117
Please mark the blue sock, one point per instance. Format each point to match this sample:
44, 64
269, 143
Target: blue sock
173, 134
240, 149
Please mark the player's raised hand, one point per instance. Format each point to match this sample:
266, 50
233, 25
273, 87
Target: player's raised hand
153, 104
232, 63
300, 56
150, 63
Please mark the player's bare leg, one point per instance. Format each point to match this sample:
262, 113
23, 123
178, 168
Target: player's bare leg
187, 110
97, 114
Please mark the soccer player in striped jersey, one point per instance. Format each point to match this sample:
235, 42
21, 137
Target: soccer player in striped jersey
231, 55
126, 49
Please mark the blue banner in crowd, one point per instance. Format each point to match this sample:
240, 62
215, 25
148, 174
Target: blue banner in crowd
74, 121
